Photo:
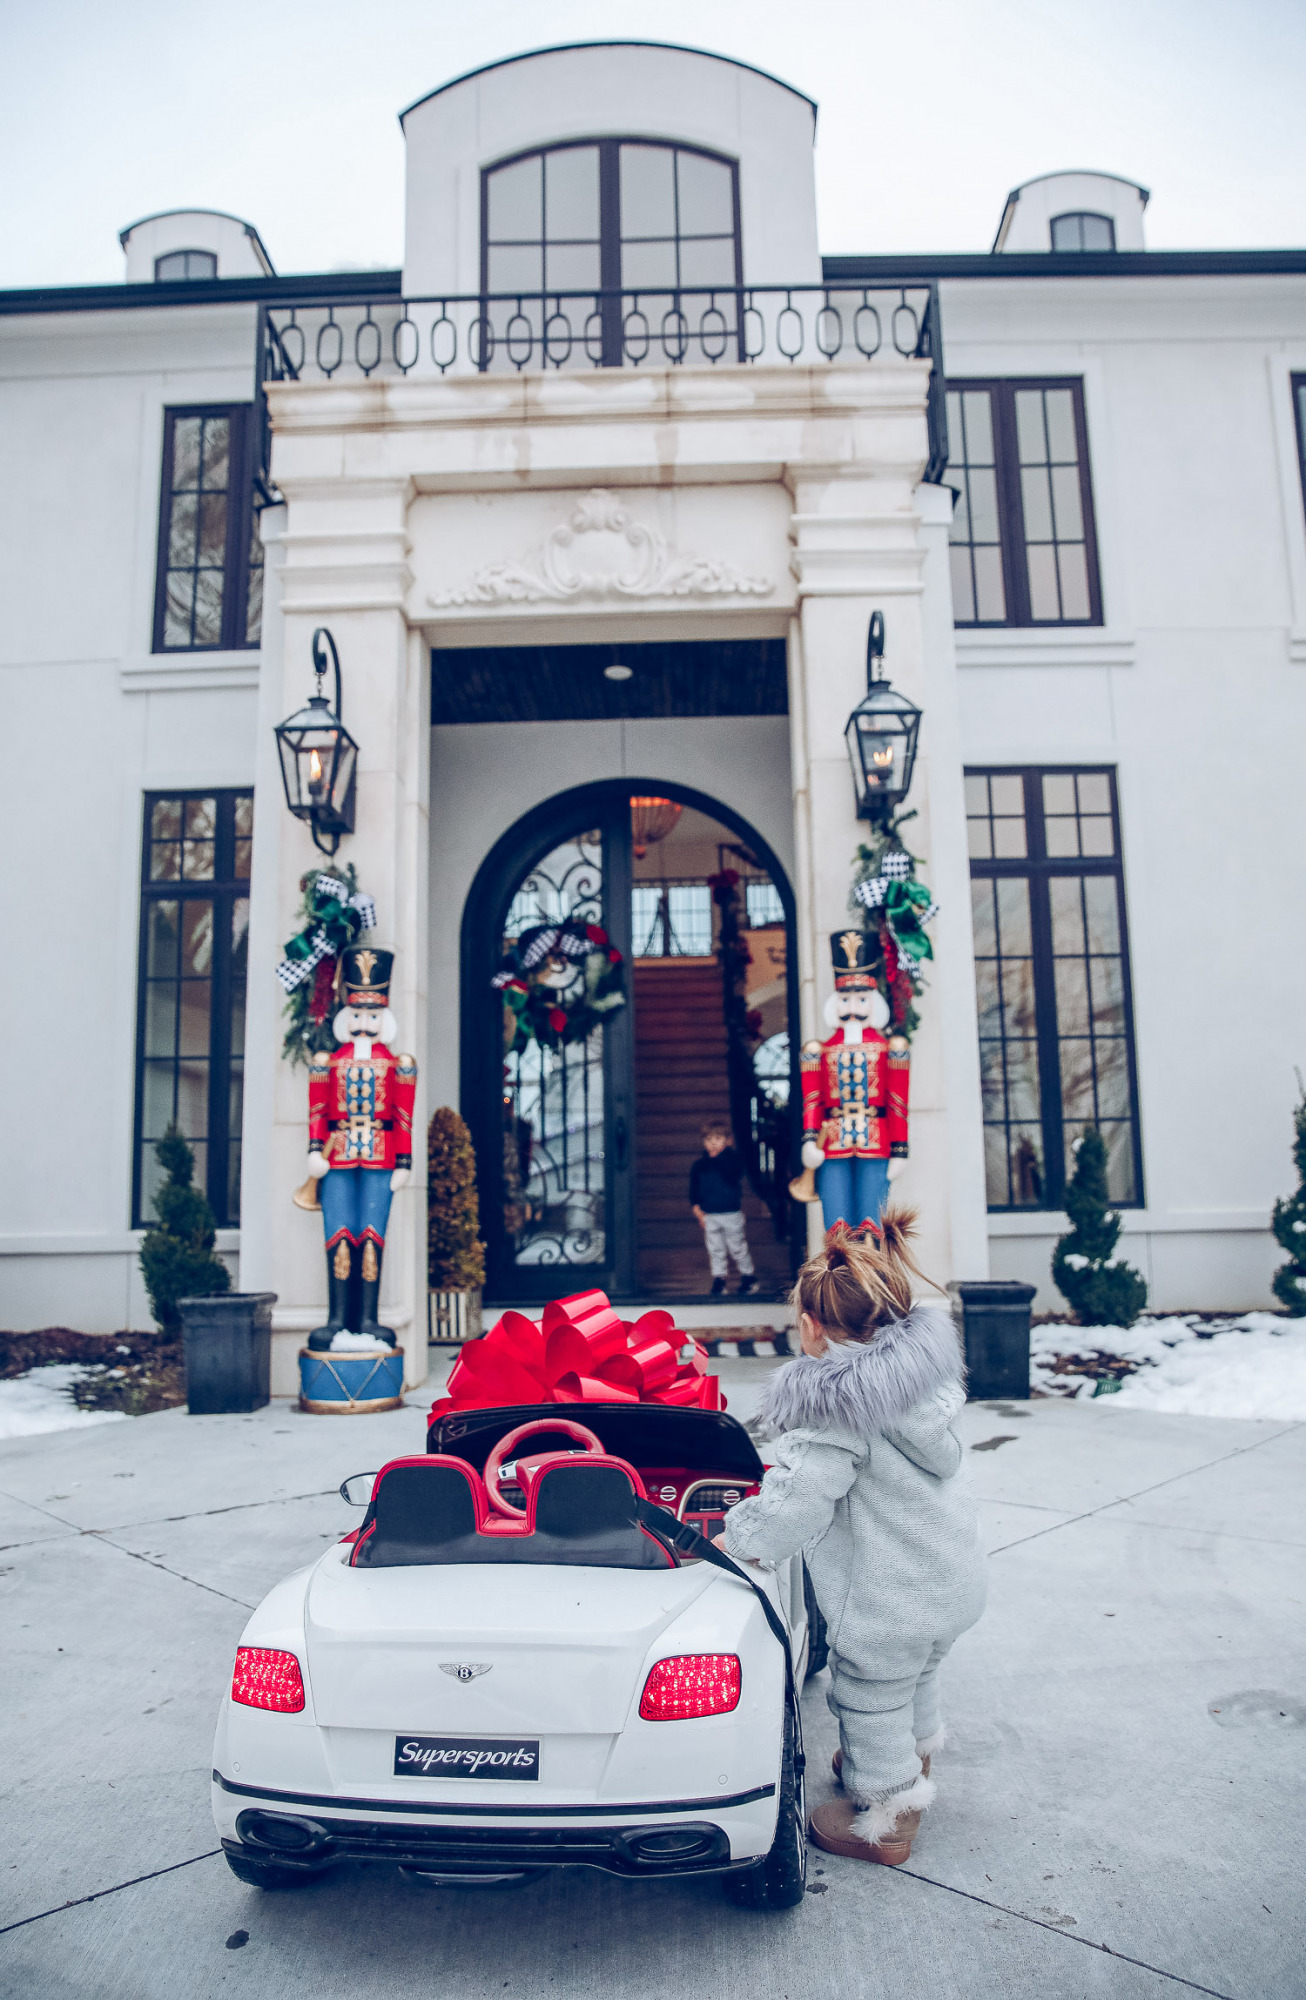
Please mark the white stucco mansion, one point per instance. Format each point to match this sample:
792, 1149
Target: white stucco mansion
597, 497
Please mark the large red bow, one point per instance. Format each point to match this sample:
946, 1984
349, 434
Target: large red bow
580, 1353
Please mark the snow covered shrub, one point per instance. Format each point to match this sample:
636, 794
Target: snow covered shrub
1288, 1222
1101, 1291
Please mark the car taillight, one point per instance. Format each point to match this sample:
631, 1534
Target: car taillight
267, 1679
691, 1684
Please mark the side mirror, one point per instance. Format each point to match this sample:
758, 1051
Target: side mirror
356, 1491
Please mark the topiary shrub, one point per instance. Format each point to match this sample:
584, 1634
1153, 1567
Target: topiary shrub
177, 1260
1288, 1221
1101, 1291
455, 1258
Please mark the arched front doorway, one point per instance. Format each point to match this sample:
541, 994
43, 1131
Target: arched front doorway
583, 1152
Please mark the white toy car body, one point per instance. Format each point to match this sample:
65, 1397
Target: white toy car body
479, 1690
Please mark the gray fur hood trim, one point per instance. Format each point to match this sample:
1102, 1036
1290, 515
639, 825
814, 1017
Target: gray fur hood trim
867, 1388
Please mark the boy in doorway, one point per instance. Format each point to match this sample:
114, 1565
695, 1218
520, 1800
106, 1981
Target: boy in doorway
716, 1182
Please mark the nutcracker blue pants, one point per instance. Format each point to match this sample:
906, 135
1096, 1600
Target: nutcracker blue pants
851, 1191
355, 1203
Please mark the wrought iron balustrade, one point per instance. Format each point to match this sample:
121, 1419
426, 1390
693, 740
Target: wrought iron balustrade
553, 332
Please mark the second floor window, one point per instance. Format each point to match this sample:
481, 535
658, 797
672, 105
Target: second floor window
209, 587
612, 215
1024, 546
1056, 1030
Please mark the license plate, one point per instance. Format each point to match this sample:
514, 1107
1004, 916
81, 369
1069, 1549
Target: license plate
465, 1757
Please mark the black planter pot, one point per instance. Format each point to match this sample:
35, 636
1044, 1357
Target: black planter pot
995, 1329
228, 1352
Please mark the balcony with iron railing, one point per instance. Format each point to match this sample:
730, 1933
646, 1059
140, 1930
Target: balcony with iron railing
555, 332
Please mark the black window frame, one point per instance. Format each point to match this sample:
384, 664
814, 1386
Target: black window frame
187, 274
1002, 391
1080, 215
223, 889
1038, 868
242, 518
612, 311
1297, 383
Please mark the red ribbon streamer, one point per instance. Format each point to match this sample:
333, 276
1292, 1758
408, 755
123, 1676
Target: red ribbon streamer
580, 1353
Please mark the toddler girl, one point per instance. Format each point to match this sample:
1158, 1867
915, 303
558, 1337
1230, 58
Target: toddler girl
867, 1483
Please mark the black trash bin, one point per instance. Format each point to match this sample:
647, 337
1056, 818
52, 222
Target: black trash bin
995, 1329
228, 1352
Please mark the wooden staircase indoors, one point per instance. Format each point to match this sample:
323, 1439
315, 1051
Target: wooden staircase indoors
680, 1079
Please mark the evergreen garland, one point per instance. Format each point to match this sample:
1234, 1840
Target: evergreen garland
455, 1258
1101, 1292
332, 915
177, 1260
1288, 1221
894, 908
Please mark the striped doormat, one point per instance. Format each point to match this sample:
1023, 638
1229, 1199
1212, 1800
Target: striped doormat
730, 1345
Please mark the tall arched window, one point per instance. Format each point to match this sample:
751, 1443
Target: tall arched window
634, 216
1083, 231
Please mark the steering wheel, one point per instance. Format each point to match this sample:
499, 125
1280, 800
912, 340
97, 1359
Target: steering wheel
526, 1468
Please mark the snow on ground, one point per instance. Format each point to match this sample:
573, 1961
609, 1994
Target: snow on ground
42, 1400
1250, 1366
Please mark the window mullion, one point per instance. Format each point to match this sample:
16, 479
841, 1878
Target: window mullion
1015, 568
233, 595
610, 248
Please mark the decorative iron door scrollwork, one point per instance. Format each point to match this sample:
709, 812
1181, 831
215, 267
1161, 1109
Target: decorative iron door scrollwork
554, 1172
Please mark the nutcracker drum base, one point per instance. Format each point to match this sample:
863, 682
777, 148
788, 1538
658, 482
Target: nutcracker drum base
355, 1203
852, 1191
350, 1385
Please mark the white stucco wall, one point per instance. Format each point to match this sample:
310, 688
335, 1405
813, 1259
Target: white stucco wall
1195, 688
633, 90
92, 720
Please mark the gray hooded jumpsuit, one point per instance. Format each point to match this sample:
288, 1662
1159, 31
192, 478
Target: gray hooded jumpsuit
869, 1483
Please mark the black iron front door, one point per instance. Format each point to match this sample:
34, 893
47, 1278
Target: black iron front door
552, 1125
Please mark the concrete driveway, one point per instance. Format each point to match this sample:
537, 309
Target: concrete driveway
1120, 1811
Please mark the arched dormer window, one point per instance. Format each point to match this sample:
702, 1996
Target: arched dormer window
180, 264
633, 216
1082, 230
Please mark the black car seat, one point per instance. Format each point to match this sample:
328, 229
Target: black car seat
582, 1509
424, 1510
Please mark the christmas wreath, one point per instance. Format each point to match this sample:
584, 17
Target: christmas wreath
537, 983
895, 908
334, 914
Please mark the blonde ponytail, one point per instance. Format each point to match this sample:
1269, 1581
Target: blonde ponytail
858, 1282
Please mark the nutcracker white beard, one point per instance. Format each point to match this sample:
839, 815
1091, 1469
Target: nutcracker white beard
365, 1024
856, 1010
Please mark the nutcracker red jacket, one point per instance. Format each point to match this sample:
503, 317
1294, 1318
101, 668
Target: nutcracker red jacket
856, 1092
361, 1113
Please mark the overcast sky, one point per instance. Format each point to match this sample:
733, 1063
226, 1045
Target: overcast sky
284, 112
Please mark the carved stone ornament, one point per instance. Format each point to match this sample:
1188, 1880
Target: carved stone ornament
602, 551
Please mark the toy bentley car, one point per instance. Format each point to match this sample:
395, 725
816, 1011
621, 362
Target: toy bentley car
530, 1655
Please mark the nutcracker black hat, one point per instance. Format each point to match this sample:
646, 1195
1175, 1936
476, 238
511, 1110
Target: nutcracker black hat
365, 976
855, 955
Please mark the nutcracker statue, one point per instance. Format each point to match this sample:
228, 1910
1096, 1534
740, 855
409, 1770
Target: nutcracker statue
854, 1092
360, 1138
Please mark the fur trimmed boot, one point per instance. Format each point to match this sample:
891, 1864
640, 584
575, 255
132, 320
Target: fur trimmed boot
882, 1832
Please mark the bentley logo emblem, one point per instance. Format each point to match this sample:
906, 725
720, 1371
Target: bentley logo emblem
464, 1670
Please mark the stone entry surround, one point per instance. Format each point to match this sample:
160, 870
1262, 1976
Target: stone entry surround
685, 503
